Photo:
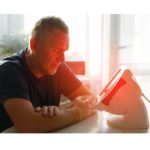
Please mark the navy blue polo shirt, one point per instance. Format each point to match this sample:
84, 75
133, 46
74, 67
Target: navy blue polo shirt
17, 81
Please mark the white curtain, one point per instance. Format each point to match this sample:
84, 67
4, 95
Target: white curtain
98, 48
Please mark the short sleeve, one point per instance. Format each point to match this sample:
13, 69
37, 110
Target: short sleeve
12, 83
69, 81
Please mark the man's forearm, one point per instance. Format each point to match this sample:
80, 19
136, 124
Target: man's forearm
48, 124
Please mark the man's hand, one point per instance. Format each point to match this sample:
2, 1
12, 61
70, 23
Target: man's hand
47, 110
89, 101
85, 105
51, 111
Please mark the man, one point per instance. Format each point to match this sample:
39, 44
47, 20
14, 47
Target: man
32, 81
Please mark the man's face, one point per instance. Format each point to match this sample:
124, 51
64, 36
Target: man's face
50, 51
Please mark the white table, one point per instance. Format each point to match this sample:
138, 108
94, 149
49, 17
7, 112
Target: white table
89, 125
94, 124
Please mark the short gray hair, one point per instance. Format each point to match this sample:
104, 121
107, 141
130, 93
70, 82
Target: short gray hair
49, 23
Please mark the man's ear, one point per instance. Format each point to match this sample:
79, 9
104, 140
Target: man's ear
33, 42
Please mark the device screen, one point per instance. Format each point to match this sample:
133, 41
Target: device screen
113, 85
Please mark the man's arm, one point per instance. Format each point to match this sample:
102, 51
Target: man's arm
82, 90
25, 119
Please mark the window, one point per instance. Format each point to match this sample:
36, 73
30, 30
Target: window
134, 50
135, 42
12, 37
